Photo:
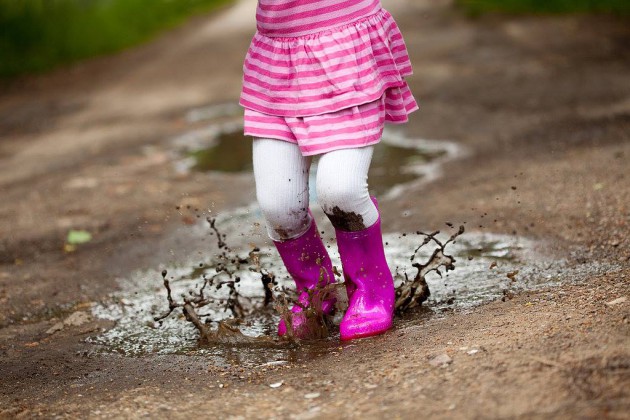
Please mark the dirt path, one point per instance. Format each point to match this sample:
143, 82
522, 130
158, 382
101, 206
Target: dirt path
543, 104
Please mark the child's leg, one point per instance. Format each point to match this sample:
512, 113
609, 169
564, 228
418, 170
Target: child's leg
343, 193
342, 188
281, 174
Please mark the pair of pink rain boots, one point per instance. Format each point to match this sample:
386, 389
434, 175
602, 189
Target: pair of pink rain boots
368, 280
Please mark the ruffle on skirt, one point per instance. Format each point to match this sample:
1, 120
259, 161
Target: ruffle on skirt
331, 70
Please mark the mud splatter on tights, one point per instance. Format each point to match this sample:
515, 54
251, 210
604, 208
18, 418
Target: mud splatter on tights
282, 174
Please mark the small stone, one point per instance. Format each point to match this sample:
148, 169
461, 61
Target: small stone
77, 319
57, 327
441, 361
276, 385
81, 183
472, 351
311, 395
617, 301
512, 275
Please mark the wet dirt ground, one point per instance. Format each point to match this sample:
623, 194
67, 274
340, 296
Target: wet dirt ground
540, 104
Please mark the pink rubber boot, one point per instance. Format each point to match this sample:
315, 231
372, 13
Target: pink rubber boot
306, 260
369, 283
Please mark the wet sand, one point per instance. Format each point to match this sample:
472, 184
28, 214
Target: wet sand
543, 106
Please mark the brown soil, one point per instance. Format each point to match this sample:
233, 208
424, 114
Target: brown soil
348, 221
543, 104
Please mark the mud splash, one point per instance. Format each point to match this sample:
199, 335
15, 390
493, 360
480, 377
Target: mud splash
226, 306
228, 265
489, 267
242, 324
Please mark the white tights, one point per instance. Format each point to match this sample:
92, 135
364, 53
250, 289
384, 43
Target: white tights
281, 174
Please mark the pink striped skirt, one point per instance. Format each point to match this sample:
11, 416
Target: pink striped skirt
330, 90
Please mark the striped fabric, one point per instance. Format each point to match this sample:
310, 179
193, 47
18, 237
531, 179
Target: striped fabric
291, 18
314, 65
356, 126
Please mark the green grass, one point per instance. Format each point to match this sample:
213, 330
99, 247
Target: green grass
614, 7
37, 35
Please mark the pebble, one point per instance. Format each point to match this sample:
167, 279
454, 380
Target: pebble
617, 301
312, 395
57, 327
441, 361
276, 385
75, 320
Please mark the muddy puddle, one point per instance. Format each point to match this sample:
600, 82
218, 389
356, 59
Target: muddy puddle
218, 145
487, 266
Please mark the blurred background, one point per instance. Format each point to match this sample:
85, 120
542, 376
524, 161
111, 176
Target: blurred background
37, 35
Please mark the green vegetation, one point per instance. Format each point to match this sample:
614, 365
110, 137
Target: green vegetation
617, 7
36, 35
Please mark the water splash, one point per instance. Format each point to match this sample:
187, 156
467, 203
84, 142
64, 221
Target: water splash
489, 266
485, 260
